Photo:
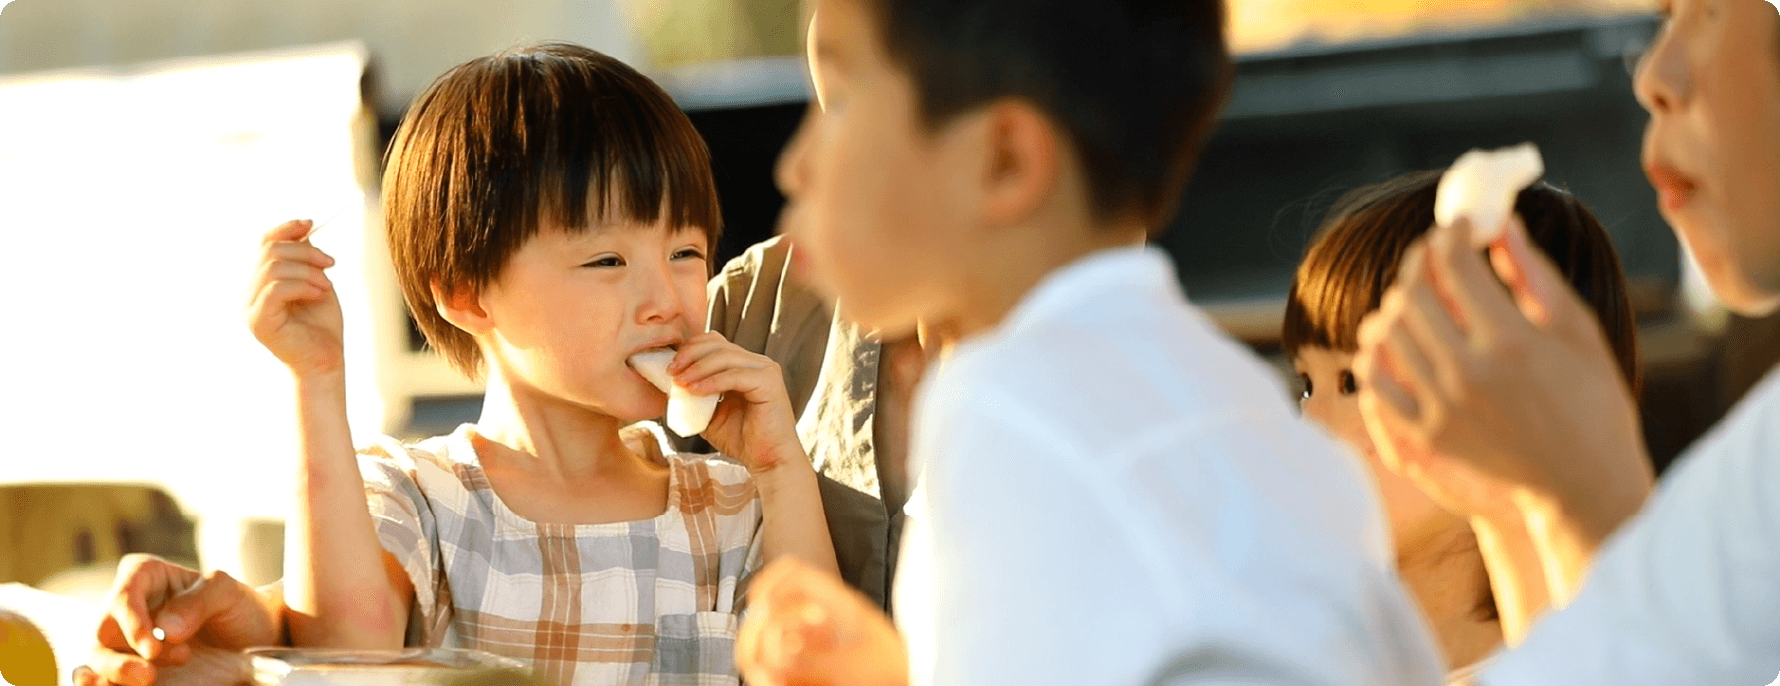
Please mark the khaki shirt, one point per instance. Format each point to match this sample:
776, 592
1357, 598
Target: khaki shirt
831, 374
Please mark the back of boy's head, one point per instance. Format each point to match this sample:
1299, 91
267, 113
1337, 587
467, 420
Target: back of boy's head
550, 135
1136, 85
1355, 256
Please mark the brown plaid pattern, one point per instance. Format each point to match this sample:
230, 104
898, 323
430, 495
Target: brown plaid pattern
650, 602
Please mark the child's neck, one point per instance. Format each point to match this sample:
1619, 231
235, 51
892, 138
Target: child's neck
550, 437
1011, 263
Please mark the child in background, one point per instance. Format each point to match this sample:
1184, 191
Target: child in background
1343, 277
550, 212
1109, 489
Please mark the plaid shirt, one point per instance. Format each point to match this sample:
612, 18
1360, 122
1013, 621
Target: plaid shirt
650, 602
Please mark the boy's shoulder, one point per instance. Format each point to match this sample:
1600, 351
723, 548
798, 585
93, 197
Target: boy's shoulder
386, 458
1136, 357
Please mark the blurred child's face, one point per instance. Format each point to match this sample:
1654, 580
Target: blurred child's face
871, 203
1712, 84
569, 309
1329, 397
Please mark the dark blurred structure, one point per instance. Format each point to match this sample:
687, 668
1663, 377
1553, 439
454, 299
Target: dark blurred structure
1304, 125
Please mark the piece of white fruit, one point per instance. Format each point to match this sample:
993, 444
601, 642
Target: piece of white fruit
1482, 186
687, 414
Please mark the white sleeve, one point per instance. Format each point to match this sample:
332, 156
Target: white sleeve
1172, 561
1688, 592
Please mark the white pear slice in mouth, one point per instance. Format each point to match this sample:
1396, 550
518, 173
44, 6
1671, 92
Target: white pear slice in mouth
1482, 185
687, 414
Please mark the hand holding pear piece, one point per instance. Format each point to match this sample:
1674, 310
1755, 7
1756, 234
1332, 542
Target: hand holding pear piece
687, 414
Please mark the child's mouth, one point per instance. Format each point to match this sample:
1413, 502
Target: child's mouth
652, 366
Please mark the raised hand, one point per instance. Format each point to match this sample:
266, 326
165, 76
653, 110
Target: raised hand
754, 422
292, 308
1517, 384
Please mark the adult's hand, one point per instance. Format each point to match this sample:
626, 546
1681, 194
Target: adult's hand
1516, 384
205, 621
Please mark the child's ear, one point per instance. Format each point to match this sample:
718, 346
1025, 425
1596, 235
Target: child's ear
462, 306
1024, 161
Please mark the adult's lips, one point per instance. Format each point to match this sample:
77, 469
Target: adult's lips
1674, 190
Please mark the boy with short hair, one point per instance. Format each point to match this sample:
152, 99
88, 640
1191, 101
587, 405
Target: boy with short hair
549, 213
1110, 490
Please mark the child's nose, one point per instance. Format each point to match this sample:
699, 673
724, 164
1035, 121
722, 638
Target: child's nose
657, 299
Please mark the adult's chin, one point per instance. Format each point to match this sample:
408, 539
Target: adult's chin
1742, 288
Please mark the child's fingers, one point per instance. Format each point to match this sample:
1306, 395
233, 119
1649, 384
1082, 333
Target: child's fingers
266, 310
752, 385
273, 272
697, 347
214, 596
703, 369
292, 230
296, 251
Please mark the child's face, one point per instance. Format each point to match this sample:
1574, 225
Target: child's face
872, 205
1330, 398
569, 309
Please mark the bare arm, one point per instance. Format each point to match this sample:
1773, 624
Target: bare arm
339, 589
793, 522
344, 591
754, 424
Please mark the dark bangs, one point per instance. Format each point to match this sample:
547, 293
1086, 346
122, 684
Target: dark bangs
1355, 256
547, 135
1353, 259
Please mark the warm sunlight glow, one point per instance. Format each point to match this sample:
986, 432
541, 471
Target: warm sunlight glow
132, 204
1270, 25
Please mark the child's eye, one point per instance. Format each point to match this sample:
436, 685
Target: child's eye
606, 261
1349, 385
689, 254
1305, 385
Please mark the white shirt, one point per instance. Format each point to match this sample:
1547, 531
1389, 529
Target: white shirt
1113, 492
1688, 592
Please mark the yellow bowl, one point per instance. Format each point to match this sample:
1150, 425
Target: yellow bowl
25, 657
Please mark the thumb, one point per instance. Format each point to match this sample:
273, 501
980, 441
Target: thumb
1537, 285
226, 610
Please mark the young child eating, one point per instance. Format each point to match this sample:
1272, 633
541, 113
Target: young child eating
550, 212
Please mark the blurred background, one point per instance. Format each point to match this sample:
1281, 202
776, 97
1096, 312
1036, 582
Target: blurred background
145, 146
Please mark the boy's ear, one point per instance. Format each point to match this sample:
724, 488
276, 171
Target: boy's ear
1023, 163
462, 306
